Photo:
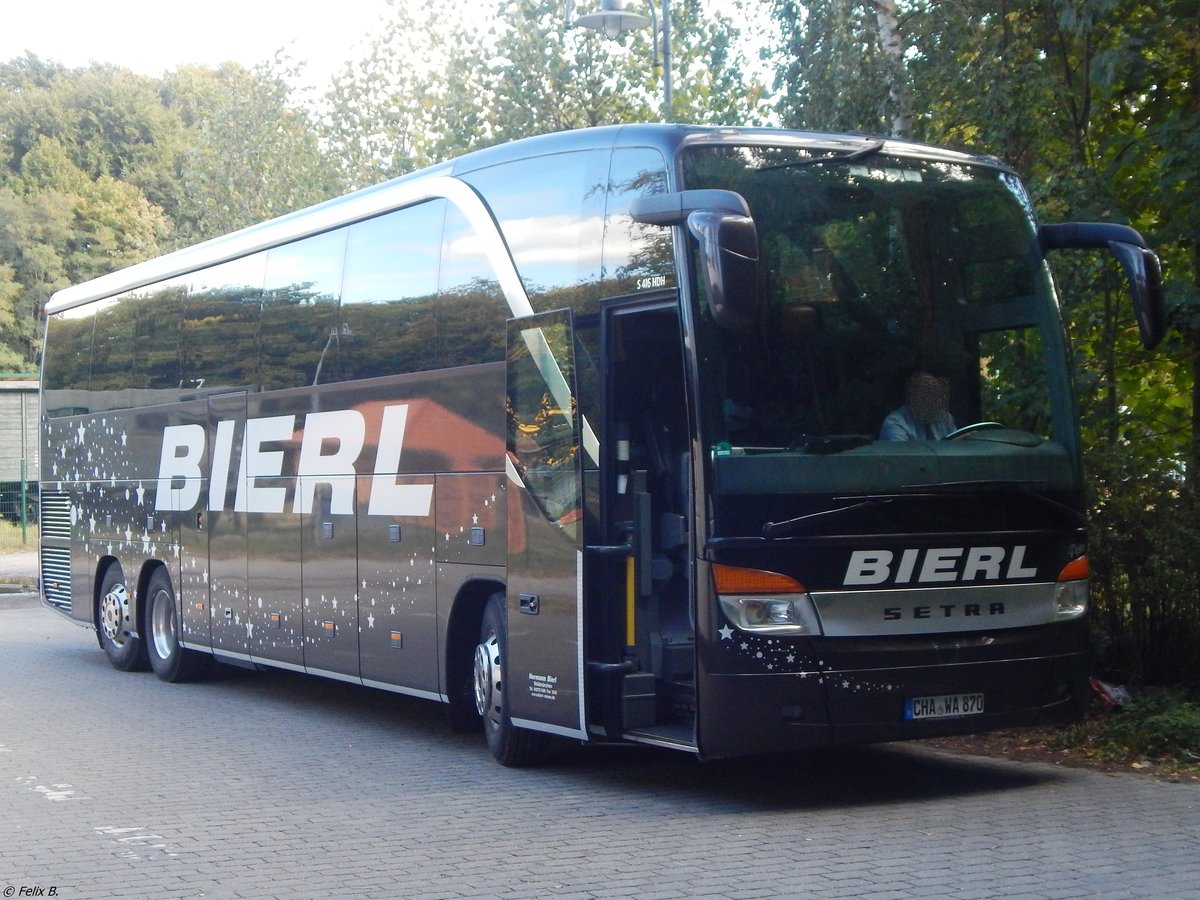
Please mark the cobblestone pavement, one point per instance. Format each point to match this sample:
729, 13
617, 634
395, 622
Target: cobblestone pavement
277, 785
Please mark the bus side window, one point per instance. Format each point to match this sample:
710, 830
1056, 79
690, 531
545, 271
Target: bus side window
386, 323
66, 372
637, 257
221, 326
551, 211
470, 307
299, 311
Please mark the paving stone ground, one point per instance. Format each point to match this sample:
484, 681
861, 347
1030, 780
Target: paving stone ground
278, 785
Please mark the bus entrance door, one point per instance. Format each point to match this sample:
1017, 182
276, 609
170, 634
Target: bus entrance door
647, 489
544, 661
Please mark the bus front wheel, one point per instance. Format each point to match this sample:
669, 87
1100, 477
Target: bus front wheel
170, 661
512, 746
116, 623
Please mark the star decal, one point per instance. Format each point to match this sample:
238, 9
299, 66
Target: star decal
727, 634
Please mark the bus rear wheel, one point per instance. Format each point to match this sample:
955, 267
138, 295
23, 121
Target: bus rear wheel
170, 661
116, 623
512, 746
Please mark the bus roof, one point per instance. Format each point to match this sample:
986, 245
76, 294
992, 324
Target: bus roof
398, 192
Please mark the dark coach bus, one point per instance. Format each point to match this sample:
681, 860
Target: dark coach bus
730, 441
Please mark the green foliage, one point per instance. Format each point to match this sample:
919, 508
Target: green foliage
430, 88
251, 154
831, 70
384, 111
1157, 725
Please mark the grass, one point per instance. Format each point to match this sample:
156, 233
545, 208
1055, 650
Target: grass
10, 537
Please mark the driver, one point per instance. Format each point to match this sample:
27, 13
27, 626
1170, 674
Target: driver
925, 414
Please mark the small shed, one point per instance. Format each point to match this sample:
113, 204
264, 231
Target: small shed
18, 439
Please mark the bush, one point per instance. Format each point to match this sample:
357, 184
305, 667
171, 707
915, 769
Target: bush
1162, 725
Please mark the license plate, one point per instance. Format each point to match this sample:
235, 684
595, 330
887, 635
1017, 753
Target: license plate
943, 706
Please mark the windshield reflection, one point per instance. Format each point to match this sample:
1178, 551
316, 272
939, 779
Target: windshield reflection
906, 303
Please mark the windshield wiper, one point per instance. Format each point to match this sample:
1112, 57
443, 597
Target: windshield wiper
851, 157
791, 526
975, 488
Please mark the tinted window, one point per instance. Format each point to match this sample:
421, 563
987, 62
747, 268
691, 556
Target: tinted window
157, 311
66, 368
221, 329
551, 210
636, 257
299, 306
388, 293
471, 309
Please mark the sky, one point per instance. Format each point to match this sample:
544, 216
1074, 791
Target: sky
152, 36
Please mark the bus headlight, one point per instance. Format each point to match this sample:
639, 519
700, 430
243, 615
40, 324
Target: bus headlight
1071, 591
765, 602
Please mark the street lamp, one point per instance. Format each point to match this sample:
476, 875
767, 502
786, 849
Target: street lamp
613, 20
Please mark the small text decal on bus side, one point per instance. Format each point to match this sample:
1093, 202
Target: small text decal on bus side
343, 430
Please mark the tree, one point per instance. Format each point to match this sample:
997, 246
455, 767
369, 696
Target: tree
58, 227
107, 119
831, 72
432, 88
385, 112
251, 153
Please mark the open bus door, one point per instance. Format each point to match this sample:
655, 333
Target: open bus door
544, 663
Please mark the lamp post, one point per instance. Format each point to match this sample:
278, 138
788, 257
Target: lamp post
613, 20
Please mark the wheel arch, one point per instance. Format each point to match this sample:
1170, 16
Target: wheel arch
102, 565
462, 634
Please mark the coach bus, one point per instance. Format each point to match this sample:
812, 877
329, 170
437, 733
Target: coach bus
600, 436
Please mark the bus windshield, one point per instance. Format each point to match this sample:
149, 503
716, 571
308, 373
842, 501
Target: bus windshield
905, 301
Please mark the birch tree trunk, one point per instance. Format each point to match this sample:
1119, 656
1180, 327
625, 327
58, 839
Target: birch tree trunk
892, 43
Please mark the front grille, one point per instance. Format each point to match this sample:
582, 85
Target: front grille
56, 576
56, 516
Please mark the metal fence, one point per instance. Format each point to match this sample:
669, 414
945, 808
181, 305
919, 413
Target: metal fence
18, 512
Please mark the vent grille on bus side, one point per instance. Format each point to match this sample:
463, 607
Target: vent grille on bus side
56, 576
56, 516
56, 561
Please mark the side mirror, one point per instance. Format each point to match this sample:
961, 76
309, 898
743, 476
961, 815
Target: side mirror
728, 262
1144, 273
1141, 265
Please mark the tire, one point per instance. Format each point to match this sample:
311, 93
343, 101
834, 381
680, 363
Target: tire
512, 746
116, 623
168, 659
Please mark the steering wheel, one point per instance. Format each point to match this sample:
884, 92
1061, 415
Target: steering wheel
973, 427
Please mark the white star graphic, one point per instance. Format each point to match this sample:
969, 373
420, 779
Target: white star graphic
726, 633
